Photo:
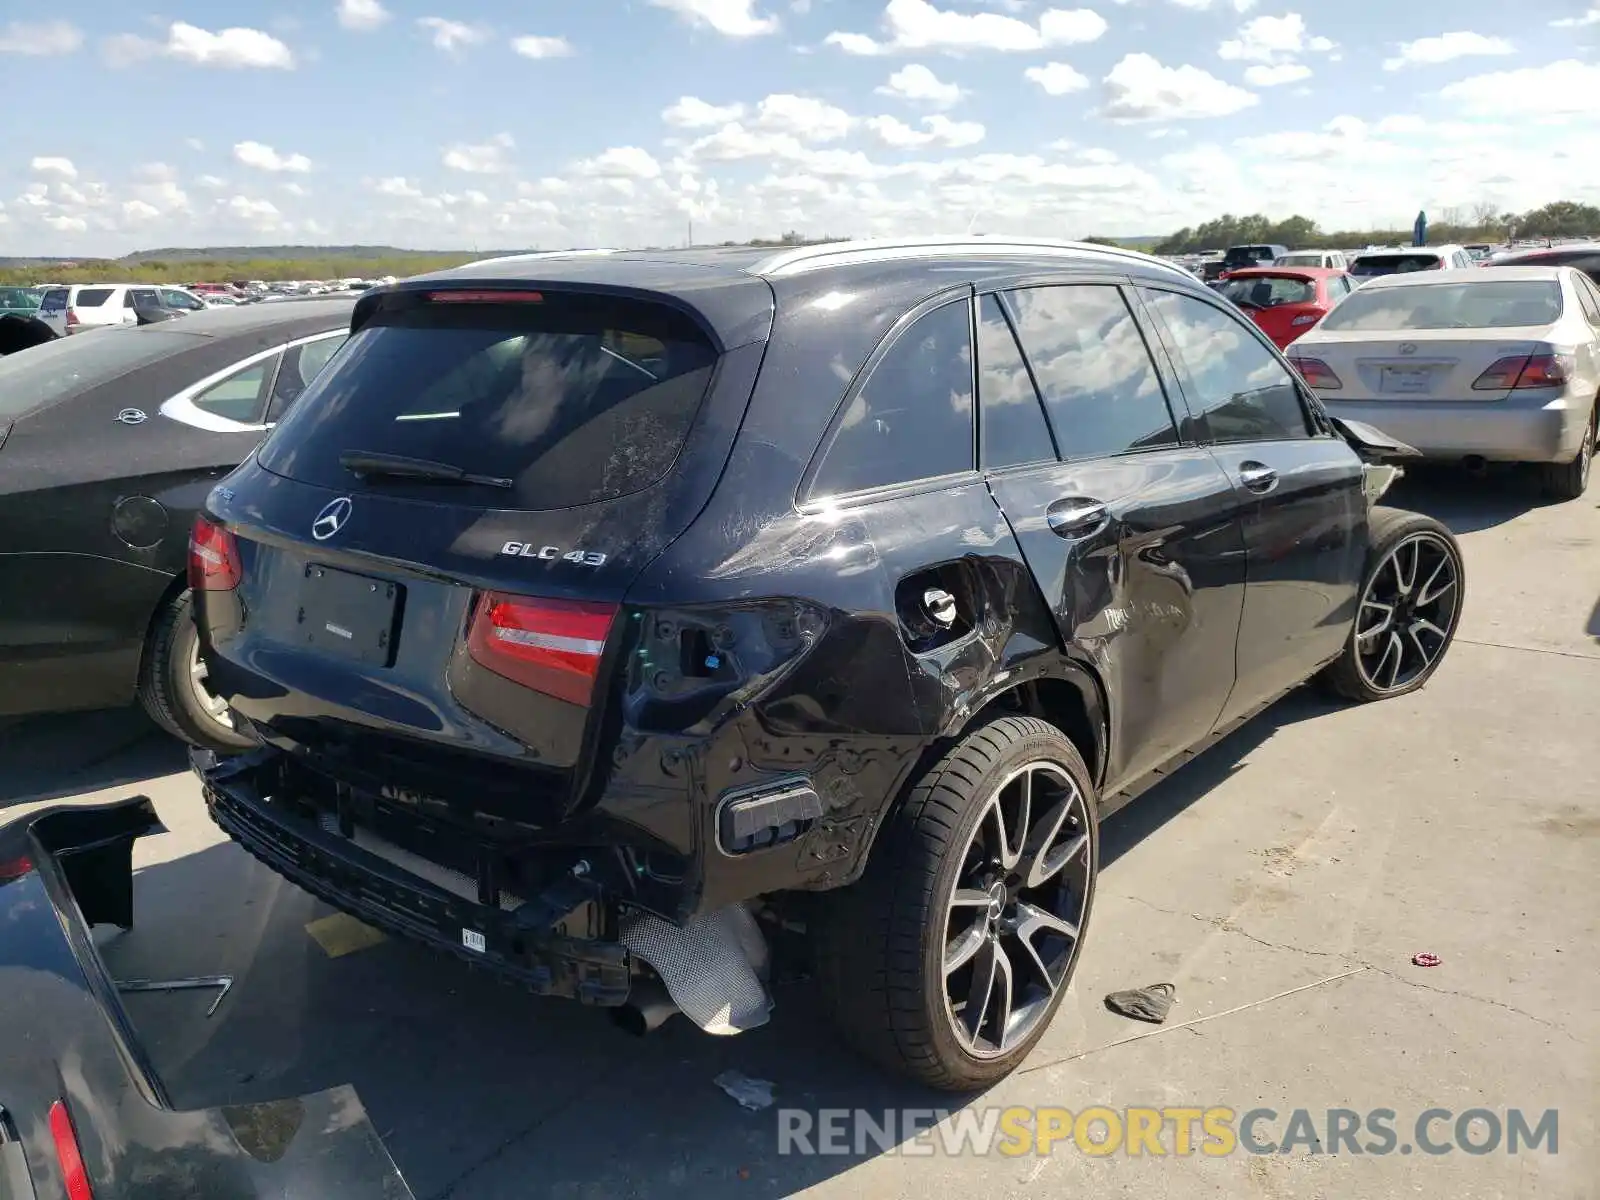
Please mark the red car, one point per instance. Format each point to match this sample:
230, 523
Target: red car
1284, 302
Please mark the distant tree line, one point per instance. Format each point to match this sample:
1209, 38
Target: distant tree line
223, 270
1457, 223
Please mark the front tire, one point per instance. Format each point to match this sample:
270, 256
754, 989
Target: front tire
1409, 607
172, 684
947, 961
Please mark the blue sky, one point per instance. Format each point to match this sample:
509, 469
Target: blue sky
461, 123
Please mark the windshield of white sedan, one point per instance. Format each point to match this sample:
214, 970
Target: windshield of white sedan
1489, 304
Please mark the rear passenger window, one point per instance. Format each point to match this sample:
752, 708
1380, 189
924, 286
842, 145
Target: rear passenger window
92, 297
912, 419
238, 397
1014, 429
55, 300
1099, 384
1243, 392
300, 366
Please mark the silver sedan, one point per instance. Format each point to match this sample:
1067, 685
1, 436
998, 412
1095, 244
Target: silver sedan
1483, 365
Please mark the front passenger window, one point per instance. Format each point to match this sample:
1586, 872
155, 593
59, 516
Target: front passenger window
1244, 393
912, 419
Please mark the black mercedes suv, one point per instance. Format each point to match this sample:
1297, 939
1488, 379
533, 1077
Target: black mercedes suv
600, 614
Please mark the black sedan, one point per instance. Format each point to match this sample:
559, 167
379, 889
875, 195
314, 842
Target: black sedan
108, 444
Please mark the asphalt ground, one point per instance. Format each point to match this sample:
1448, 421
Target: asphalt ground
1283, 882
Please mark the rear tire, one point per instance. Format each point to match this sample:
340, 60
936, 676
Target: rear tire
1569, 480
967, 872
1409, 607
171, 684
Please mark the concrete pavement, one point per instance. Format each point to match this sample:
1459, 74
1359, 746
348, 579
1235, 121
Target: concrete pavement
1312, 854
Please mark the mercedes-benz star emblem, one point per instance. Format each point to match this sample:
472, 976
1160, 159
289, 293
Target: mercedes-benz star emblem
331, 519
1408, 347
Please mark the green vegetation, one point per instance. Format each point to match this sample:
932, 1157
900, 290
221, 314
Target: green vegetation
221, 270
1480, 223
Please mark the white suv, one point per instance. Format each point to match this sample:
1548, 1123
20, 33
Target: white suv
84, 306
1332, 260
1401, 260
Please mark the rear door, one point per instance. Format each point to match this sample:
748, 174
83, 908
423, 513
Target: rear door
1133, 531
53, 309
1305, 523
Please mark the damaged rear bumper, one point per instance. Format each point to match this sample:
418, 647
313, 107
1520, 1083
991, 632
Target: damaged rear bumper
69, 1046
522, 941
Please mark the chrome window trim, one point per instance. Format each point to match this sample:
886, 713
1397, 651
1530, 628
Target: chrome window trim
182, 408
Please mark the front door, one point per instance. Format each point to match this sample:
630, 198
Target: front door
1130, 529
1299, 484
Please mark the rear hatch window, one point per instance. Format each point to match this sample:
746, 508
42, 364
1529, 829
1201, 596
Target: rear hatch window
1498, 304
1270, 291
549, 400
1245, 256
1369, 265
91, 297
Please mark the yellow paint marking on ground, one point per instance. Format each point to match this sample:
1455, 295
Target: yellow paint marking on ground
342, 934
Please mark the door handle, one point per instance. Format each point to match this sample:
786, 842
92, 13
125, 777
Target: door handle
1257, 477
1075, 516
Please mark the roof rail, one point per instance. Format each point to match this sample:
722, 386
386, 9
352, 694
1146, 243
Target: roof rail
829, 254
505, 258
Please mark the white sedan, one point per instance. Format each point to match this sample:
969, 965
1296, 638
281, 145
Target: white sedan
1497, 364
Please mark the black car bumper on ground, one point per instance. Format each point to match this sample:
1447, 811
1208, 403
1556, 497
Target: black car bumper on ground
79, 1097
523, 941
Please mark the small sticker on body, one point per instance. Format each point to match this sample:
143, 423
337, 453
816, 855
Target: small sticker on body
474, 941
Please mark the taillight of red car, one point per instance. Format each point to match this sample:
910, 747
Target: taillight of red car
213, 558
551, 646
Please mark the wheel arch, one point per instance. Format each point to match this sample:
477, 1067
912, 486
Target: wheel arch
176, 586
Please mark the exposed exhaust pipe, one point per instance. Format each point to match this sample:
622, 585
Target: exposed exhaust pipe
648, 1008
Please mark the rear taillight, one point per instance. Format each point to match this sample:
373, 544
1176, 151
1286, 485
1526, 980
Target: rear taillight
73, 1174
551, 646
1306, 319
484, 297
1317, 373
213, 558
14, 868
1526, 371
72, 317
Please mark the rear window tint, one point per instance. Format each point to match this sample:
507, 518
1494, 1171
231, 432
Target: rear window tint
69, 366
575, 398
92, 297
1270, 291
1370, 265
1485, 304
55, 300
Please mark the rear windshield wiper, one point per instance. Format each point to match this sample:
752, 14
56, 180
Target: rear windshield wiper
374, 464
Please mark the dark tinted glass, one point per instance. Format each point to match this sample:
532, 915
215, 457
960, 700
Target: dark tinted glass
913, 418
1014, 429
55, 300
1100, 386
301, 364
238, 397
70, 366
92, 297
1368, 266
1242, 256
1246, 394
575, 398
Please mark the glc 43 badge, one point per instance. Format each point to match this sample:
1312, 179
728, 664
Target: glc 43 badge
552, 553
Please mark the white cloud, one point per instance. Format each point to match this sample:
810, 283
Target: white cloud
48, 165
194, 143
918, 25
1446, 47
64, 224
397, 185
213, 183
362, 16
732, 18
233, 48
1238, 6
1551, 90
915, 82
530, 46
1592, 17
1273, 40
939, 131
621, 162
40, 39
261, 215
1057, 79
802, 116
485, 158
265, 158
690, 112
1274, 74
1139, 88
138, 212
452, 36
296, 189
